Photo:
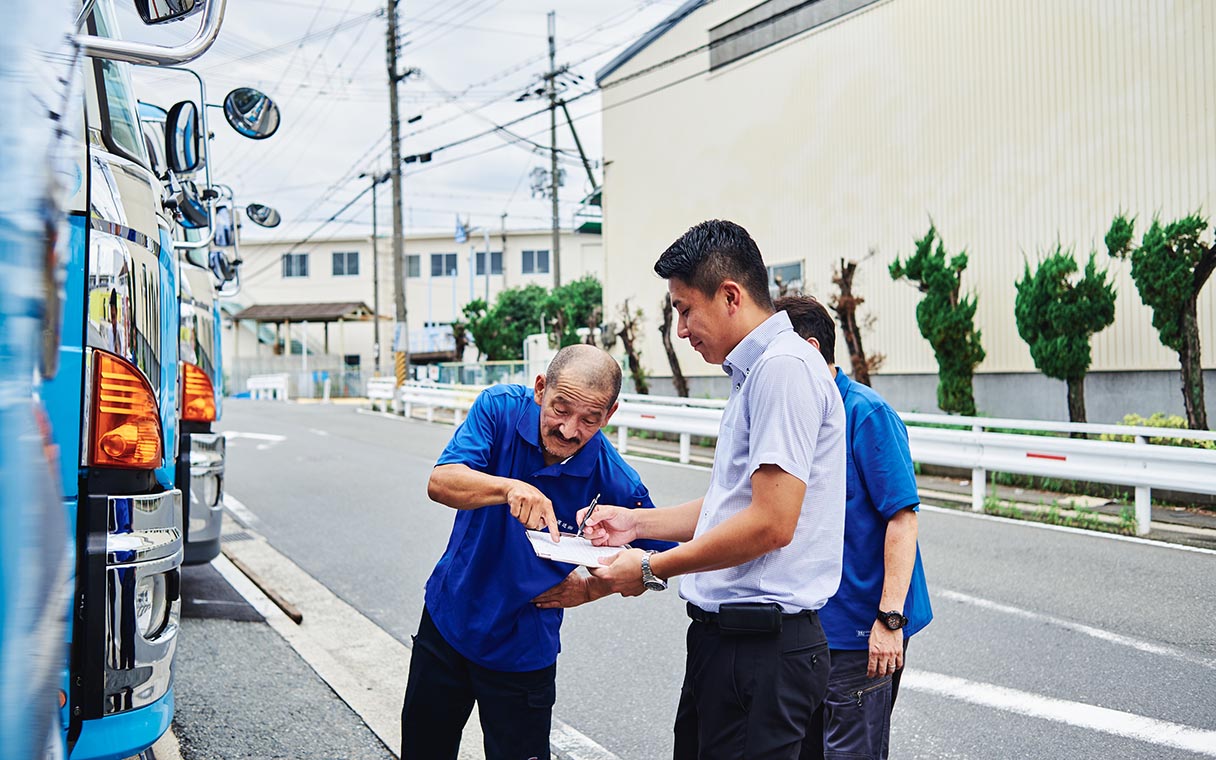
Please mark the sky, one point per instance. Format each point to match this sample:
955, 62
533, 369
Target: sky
323, 62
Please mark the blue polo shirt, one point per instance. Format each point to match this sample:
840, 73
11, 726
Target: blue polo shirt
879, 481
480, 593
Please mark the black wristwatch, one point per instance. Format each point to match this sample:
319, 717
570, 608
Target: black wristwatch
651, 581
893, 619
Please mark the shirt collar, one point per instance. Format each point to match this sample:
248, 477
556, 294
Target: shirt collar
842, 382
744, 356
580, 465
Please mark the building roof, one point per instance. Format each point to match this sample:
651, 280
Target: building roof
306, 312
646, 39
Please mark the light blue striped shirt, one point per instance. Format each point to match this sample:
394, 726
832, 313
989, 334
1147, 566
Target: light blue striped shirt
784, 409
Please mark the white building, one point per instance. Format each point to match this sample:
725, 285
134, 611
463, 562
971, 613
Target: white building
833, 128
323, 292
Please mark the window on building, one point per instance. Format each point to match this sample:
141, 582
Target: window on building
495, 262
443, 265
535, 262
787, 275
413, 265
346, 263
295, 265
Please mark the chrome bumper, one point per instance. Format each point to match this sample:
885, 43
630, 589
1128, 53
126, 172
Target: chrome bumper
143, 558
207, 452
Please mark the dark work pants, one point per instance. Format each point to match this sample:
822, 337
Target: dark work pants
854, 721
516, 709
750, 695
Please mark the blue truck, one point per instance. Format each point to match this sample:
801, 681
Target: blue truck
91, 519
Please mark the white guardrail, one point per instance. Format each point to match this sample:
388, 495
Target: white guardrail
273, 387
968, 442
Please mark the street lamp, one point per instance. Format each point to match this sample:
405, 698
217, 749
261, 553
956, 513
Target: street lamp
376, 180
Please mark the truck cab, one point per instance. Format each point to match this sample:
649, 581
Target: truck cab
90, 605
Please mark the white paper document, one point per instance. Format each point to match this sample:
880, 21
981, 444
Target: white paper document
572, 549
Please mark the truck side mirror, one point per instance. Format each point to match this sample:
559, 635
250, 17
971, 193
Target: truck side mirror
191, 211
182, 138
262, 216
251, 112
162, 11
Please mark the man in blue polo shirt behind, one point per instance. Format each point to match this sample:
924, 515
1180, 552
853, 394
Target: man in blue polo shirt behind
883, 598
524, 457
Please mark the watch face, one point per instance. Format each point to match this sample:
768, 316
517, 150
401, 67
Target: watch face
893, 620
655, 585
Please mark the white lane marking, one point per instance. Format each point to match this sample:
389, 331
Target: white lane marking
652, 460
364, 665
315, 431
268, 439
1106, 720
240, 511
377, 413
230, 434
1097, 633
1066, 529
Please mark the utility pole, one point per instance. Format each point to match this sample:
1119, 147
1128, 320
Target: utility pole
551, 87
401, 334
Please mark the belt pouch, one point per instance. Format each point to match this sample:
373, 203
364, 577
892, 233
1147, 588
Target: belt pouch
749, 617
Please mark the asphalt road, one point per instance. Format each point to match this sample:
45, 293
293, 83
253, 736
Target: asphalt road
1045, 643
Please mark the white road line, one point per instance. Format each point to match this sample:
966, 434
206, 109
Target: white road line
273, 438
316, 431
378, 413
1115, 722
1114, 638
364, 665
652, 460
240, 511
268, 440
1066, 529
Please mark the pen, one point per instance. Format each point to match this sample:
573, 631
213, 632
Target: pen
590, 509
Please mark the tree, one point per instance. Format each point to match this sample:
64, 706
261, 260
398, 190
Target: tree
1057, 317
630, 321
677, 374
499, 331
1170, 267
572, 306
844, 302
946, 320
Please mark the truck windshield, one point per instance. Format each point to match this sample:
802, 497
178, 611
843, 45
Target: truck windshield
120, 121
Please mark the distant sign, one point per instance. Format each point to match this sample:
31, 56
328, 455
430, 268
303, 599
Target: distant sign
462, 232
400, 337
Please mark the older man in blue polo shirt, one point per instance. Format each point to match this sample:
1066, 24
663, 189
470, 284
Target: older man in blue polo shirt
524, 457
883, 599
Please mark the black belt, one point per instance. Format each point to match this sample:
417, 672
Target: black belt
704, 616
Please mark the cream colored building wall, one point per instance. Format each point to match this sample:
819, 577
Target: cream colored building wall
1013, 124
428, 299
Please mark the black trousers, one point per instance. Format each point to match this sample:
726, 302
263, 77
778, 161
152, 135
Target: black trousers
750, 696
516, 709
854, 721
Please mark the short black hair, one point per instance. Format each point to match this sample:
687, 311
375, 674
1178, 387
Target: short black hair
711, 253
811, 320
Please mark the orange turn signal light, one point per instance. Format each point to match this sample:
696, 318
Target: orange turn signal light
198, 395
126, 421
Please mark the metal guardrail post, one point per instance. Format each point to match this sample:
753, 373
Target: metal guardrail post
622, 439
979, 485
685, 448
1144, 501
